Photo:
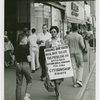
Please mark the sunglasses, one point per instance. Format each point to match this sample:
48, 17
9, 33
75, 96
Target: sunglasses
53, 32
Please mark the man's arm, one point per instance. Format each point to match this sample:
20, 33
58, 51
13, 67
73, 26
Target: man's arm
81, 42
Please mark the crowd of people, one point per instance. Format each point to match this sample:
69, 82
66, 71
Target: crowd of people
29, 55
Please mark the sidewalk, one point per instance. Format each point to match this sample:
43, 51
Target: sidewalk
38, 91
90, 89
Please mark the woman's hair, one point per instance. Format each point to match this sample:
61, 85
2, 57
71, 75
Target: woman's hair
20, 37
54, 27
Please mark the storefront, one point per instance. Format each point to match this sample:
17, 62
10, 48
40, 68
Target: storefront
40, 14
75, 12
47, 13
88, 18
27, 13
34, 15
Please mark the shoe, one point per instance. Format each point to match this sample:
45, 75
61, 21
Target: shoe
80, 83
37, 69
75, 85
43, 78
27, 98
33, 71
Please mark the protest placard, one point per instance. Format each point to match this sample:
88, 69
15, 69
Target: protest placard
58, 62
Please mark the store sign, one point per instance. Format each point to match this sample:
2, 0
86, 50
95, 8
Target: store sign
75, 9
75, 12
58, 62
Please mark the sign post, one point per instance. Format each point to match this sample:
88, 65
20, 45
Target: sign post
58, 62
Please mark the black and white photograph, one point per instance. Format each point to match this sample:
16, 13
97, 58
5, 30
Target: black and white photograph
49, 49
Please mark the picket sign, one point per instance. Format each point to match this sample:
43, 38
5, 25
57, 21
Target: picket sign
58, 62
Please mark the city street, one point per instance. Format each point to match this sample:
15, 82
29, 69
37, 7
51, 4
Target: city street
58, 33
38, 91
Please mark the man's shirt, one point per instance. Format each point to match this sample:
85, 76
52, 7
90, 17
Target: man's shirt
44, 37
33, 40
75, 43
21, 53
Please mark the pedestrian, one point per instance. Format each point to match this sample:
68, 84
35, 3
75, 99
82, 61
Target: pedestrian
67, 33
17, 35
55, 41
80, 29
34, 52
76, 47
8, 51
22, 56
26, 31
85, 39
45, 35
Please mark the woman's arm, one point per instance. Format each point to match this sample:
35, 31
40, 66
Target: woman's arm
48, 44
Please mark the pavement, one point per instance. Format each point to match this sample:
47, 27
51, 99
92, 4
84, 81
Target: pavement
38, 91
90, 88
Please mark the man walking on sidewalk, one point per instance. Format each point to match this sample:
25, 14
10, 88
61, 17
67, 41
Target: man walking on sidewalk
22, 67
76, 46
34, 51
43, 37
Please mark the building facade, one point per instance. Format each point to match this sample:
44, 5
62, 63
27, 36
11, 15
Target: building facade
46, 13
75, 12
28, 13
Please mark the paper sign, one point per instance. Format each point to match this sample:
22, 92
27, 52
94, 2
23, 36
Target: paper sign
58, 62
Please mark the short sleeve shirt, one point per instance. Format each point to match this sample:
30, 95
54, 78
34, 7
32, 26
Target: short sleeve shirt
44, 37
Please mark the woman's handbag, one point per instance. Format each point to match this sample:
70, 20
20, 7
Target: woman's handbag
49, 85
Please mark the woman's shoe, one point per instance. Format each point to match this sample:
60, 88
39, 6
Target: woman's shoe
33, 71
43, 78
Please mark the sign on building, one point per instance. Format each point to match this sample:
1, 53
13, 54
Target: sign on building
75, 12
58, 62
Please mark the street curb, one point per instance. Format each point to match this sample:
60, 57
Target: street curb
82, 90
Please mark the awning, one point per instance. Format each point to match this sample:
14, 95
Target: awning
56, 5
74, 20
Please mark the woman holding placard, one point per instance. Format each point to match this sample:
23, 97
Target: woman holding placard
54, 42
